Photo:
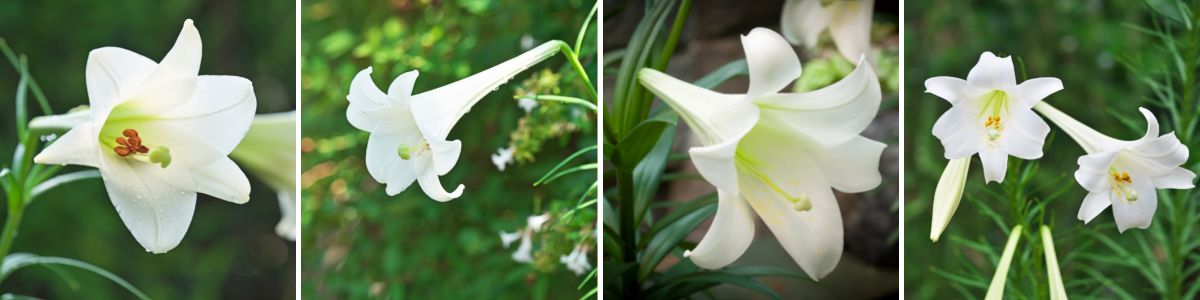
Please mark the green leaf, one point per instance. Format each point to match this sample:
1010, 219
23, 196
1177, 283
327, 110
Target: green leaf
564, 163
680, 212
718, 277
15, 261
634, 146
579, 168
17, 297
60, 180
720, 75
670, 235
648, 174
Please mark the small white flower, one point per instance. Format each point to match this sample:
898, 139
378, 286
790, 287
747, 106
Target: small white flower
508, 238
848, 21
409, 133
780, 154
536, 222
1125, 174
577, 261
992, 115
527, 104
524, 253
503, 157
159, 133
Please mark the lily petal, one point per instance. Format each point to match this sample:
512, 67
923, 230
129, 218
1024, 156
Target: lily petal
1137, 213
149, 200
1093, 205
1180, 178
1032, 91
1093, 171
993, 73
852, 167
287, 221
949, 129
947, 195
445, 155
112, 73
715, 117
436, 111
366, 98
803, 21
730, 235
1026, 134
76, 147
995, 165
850, 27
831, 115
384, 163
431, 184
949, 88
223, 180
772, 62
223, 106
1089, 139
183, 61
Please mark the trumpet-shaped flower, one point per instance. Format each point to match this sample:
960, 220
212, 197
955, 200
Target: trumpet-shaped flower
409, 132
577, 261
992, 115
848, 21
159, 134
269, 153
780, 154
1124, 174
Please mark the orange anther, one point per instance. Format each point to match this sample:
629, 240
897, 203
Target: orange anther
122, 151
134, 141
129, 133
121, 141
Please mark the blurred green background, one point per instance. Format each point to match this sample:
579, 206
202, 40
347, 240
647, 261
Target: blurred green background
230, 251
1083, 43
360, 243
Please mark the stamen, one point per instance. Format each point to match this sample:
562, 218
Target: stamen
131, 144
996, 102
799, 202
1122, 185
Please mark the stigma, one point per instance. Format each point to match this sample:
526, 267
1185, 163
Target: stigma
407, 152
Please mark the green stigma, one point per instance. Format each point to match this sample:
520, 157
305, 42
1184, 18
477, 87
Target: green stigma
160, 155
405, 152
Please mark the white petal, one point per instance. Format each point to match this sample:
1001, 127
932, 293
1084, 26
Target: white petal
954, 130
1034, 90
76, 147
535, 222
223, 180
993, 73
947, 195
1093, 204
431, 184
365, 98
1025, 134
1151, 124
995, 165
1138, 213
508, 238
714, 117
951, 89
220, 112
1178, 179
729, 236
851, 167
287, 221
445, 154
1093, 171
402, 86
850, 27
716, 164
436, 111
149, 200
385, 164
803, 21
183, 61
813, 237
772, 62
831, 115
524, 252
113, 73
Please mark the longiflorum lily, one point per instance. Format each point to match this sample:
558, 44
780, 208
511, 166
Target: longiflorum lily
992, 115
778, 153
848, 21
269, 153
159, 134
409, 132
1124, 174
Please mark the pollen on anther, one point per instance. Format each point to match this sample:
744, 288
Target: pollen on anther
129, 132
122, 151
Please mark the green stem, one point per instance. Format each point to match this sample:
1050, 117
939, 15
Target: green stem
16, 209
574, 60
566, 99
630, 285
583, 29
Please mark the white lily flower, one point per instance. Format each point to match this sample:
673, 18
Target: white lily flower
269, 152
992, 115
780, 154
1124, 174
159, 134
577, 261
848, 21
509, 237
524, 253
503, 157
409, 132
